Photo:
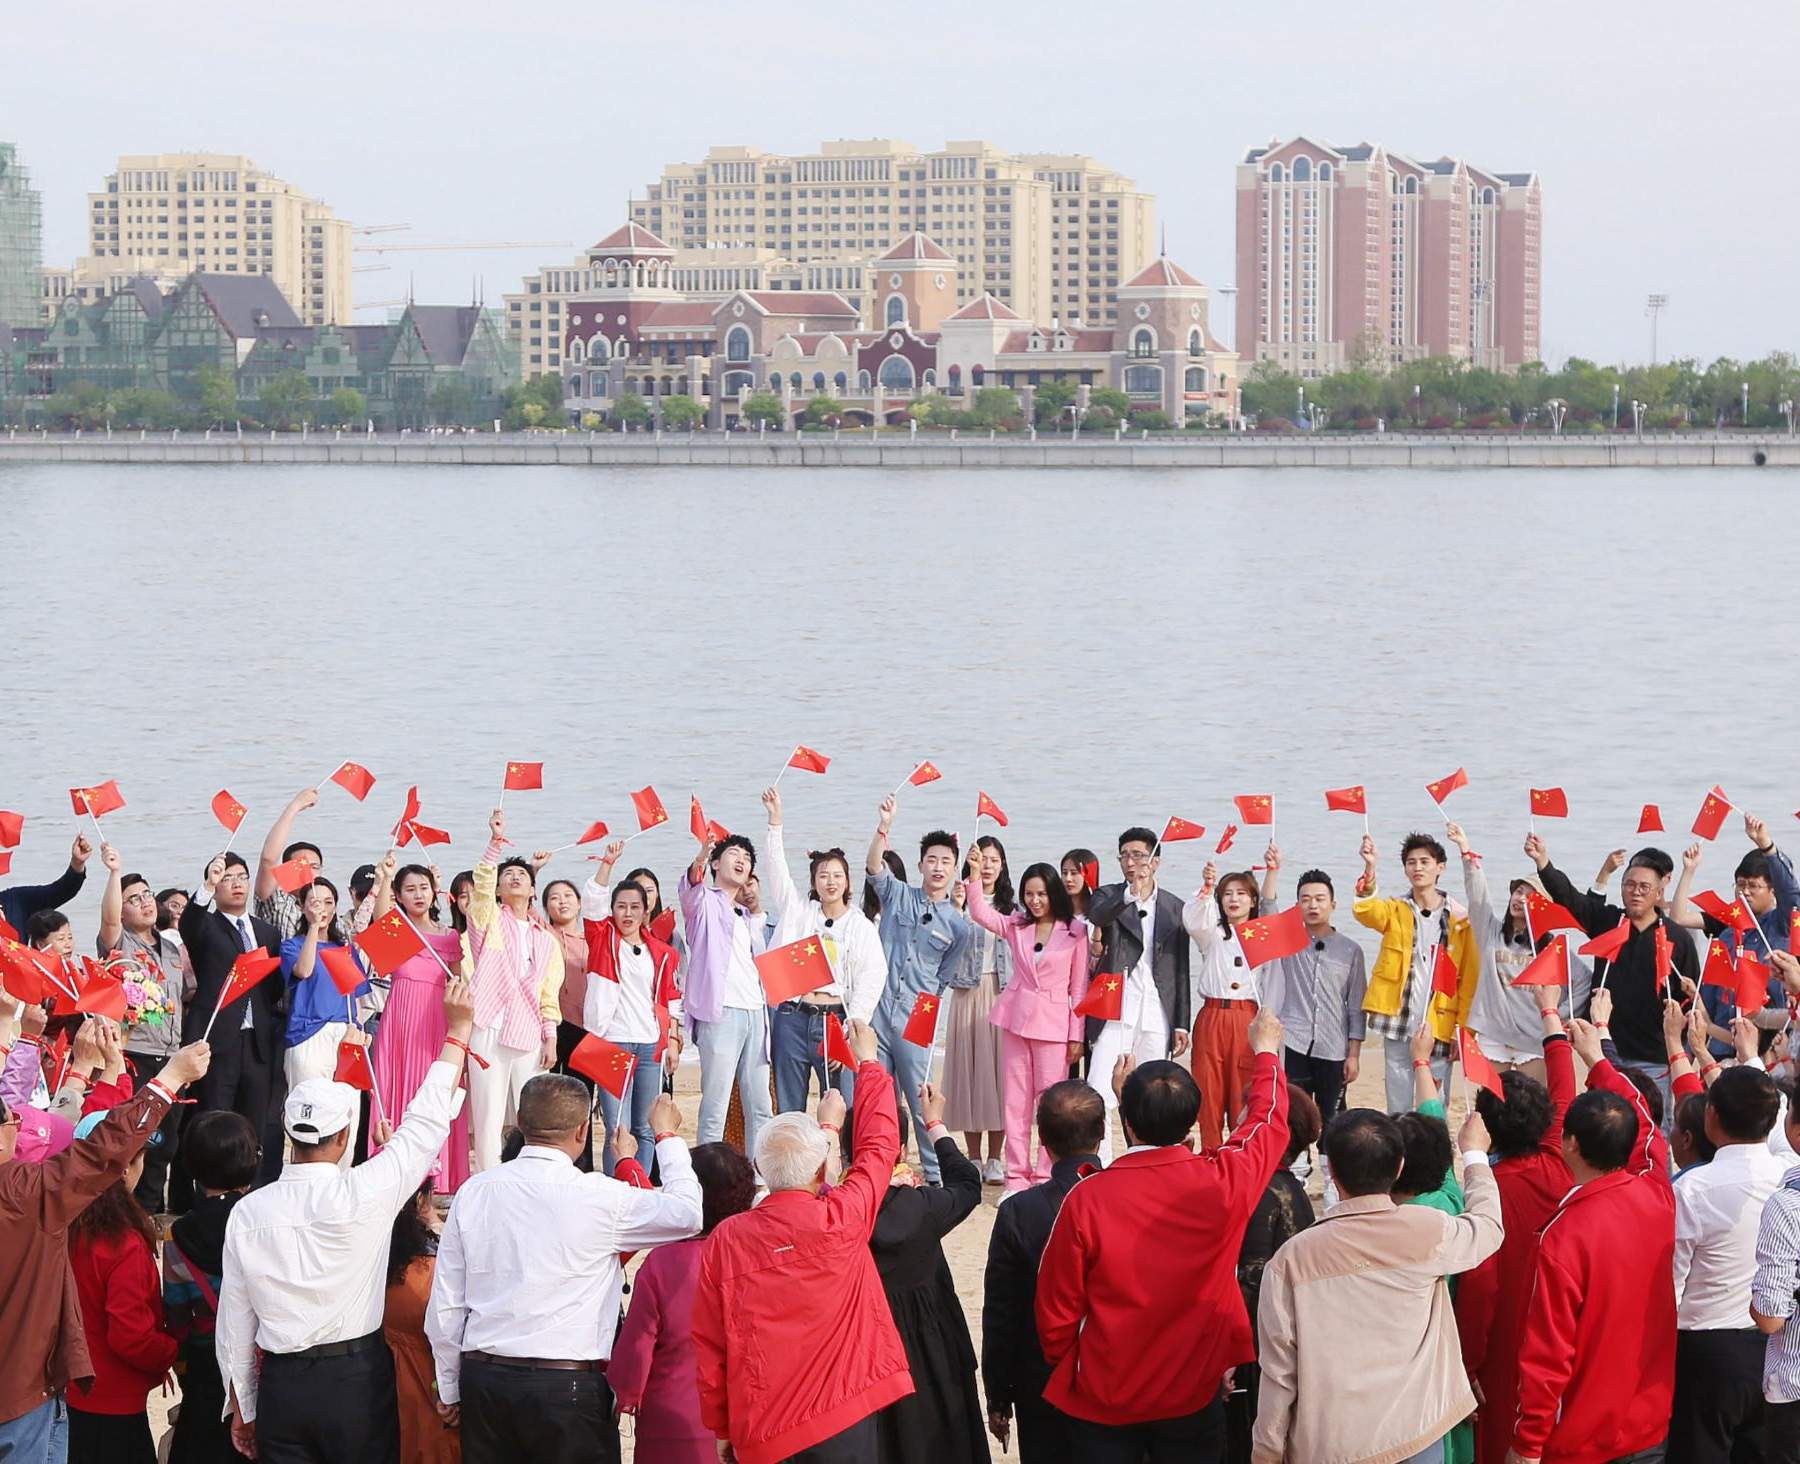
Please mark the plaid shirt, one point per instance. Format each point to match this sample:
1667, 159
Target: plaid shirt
1415, 999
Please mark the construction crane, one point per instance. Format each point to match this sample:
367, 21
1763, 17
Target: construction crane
422, 248
379, 228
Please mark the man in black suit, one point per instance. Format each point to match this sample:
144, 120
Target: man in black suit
245, 1077
1144, 943
1071, 1122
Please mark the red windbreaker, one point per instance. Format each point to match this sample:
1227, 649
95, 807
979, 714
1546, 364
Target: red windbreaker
122, 1314
1597, 1351
793, 1338
1138, 1305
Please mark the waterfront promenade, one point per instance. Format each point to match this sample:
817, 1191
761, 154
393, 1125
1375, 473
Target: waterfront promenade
934, 450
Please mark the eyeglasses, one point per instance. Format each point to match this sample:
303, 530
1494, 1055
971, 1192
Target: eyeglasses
1135, 856
1638, 887
10, 1120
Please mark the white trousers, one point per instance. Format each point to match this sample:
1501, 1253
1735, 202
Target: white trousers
494, 1092
316, 1057
1147, 1040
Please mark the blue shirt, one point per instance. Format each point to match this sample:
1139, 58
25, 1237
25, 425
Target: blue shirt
924, 940
316, 1000
1774, 927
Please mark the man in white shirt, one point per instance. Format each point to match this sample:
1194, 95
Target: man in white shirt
305, 1272
1718, 1408
525, 1299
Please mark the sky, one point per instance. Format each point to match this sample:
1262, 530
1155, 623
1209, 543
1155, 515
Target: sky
1662, 132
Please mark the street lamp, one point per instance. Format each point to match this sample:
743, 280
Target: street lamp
1637, 417
1557, 409
1300, 404
1744, 414
1415, 406
1615, 406
1787, 410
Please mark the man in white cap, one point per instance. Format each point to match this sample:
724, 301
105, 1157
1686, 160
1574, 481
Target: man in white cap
305, 1272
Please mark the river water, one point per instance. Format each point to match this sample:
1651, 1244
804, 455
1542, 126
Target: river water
1091, 649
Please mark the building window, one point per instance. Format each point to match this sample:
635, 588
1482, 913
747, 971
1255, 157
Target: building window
1143, 381
737, 344
841, 382
897, 374
1196, 379
896, 310
818, 381
1143, 342
1196, 347
977, 375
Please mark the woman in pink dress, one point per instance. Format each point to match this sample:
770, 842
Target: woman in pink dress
652, 1371
411, 1032
1040, 1032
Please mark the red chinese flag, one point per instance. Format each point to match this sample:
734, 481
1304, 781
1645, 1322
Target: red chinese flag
1712, 815
354, 779
1231, 832
1444, 787
836, 1046
650, 810
403, 833
100, 800
924, 773
1718, 970
341, 966
6, 862
104, 996
1475, 1063
353, 1067
1549, 803
663, 1023
1444, 975
663, 926
246, 971
388, 943
605, 1062
1731, 913
427, 835
1347, 800
595, 830
522, 777
19, 973
1178, 829
1605, 947
1090, 876
794, 969
921, 1026
1546, 914
697, 823
808, 761
1255, 808
1794, 932
1650, 820
1270, 937
985, 807
1549, 967
1753, 983
1665, 959
1105, 997
296, 874
228, 811
12, 825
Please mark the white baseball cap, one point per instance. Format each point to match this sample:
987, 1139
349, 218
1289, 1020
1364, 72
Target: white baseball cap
317, 1108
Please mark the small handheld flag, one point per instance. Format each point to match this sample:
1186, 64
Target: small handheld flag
1549, 803
522, 777
228, 811
1347, 800
1178, 829
1550, 966
1105, 999
1444, 787
1271, 937
354, 779
1712, 815
794, 969
1255, 808
605, 1062
921, 1026
985, 807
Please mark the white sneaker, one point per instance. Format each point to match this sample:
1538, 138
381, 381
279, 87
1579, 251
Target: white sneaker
994, 1172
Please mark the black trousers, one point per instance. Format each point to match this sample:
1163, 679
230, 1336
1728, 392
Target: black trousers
159, 1154
855, 1445
1718, 1412
1045, 1433
1322, 1079
110, 1438
1197, 1438
1781, 1433
328, 1410
241, 1081
511, 1414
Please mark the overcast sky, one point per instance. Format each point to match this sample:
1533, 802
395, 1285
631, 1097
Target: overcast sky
1664, 133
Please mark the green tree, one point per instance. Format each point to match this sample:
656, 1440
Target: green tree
682, 413
451, 403
824, 411
930, 411
285, 400
532, 413
1151, 421
631, 412
217, 397
994, 407
347, 407
1268, 391
146, 407
763, 408
1051, 403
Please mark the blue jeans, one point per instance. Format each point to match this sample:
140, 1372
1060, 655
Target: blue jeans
736, 1046
1658, 1074
38, 1437
646, 1083
795, 1038
911, 1065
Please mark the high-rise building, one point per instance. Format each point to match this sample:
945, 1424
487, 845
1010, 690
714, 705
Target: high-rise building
21, 241
1053, 236
219, 213
1357, 254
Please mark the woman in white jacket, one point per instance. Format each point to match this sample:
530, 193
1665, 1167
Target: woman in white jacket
851, 944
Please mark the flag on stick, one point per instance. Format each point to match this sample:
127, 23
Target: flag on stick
985, 807
808, 761
1475, 1063
1255, 808
1650, 820
354, 779
1605, 947
1549, 803
1270, 937
1444, 975
1178, 829
295, 875
353, 1067
1347, 800
836, 1046
521, 777
1734, 913
1546, 914
341, 966
921, 1026
98, 801
389, 942
1105, 997
1225, 839
12, 825
605, 1062
650, 810
793, 969
1444, 787
246, 971
1550, 966
1712, 815
228, 811
924, 773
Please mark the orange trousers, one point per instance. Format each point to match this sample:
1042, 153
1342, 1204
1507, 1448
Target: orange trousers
1221, 1064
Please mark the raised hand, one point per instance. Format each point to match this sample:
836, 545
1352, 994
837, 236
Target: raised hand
1454, 833
931, 1104
1690, 856
1600, 1007
1535, 851
109, 856
1585, 1038
862, 1040
665, 1117
1122, 1069
1758, 832
1473, 1136
459, 1008
832, 1110
79, 852
623, 1143
771, 799
889, 807
187, 1066
1265, 1030
497, 825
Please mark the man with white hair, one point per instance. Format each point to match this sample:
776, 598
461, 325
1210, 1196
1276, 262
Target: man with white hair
797, 1270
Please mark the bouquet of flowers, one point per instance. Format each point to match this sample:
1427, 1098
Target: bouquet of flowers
147, 999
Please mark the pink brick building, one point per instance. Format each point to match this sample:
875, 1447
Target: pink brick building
1351, 254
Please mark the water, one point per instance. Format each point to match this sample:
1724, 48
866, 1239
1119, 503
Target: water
1092, 649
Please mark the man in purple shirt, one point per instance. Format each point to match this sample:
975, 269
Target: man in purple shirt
724, 1002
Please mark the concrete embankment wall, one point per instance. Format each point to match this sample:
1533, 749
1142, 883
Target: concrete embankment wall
602, 450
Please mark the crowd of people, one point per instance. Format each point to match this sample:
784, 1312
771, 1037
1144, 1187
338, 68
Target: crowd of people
400, 1211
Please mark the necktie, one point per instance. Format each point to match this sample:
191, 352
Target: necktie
245, 938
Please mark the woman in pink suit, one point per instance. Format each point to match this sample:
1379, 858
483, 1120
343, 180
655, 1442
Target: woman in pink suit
411, 1032
1040, 1033
652, 1371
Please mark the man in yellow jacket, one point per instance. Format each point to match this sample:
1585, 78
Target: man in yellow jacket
1400, 997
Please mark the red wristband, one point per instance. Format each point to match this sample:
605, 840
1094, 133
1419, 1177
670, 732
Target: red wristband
468, 1052
1421, 1062
667, 1134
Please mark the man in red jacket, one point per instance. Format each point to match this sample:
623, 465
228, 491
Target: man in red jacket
1138, 1306
1597, 1354
795, 1346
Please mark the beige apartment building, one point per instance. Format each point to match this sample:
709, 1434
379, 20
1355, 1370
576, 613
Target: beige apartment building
221, 214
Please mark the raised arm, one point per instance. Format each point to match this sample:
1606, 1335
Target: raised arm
790, 909
673, 1212
112, 901
277, 840
484, 908
1482, 914
876, 863
1247, 1160
1200, 915
1682, 910
1586, 906
948, 1206
983, 913
1271, 880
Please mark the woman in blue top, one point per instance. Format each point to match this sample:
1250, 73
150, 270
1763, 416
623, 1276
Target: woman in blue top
320, 1015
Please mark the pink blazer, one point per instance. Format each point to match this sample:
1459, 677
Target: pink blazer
1039, 1002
